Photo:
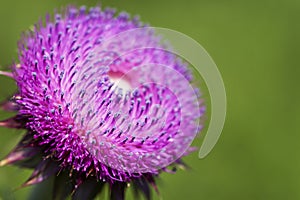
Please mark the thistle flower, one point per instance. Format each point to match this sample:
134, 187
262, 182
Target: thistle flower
102, 101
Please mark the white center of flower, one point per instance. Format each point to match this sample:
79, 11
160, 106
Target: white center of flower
120, 81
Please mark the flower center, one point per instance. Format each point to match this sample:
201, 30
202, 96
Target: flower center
120, 80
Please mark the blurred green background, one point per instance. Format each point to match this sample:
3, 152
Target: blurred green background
256, 47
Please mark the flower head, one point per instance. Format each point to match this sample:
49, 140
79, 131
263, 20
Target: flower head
102, 100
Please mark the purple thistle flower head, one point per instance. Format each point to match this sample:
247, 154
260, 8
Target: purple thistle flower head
102, 100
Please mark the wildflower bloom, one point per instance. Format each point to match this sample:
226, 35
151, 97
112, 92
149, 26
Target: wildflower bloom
102, 102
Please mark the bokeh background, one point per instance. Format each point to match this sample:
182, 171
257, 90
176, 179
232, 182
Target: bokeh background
256, 47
